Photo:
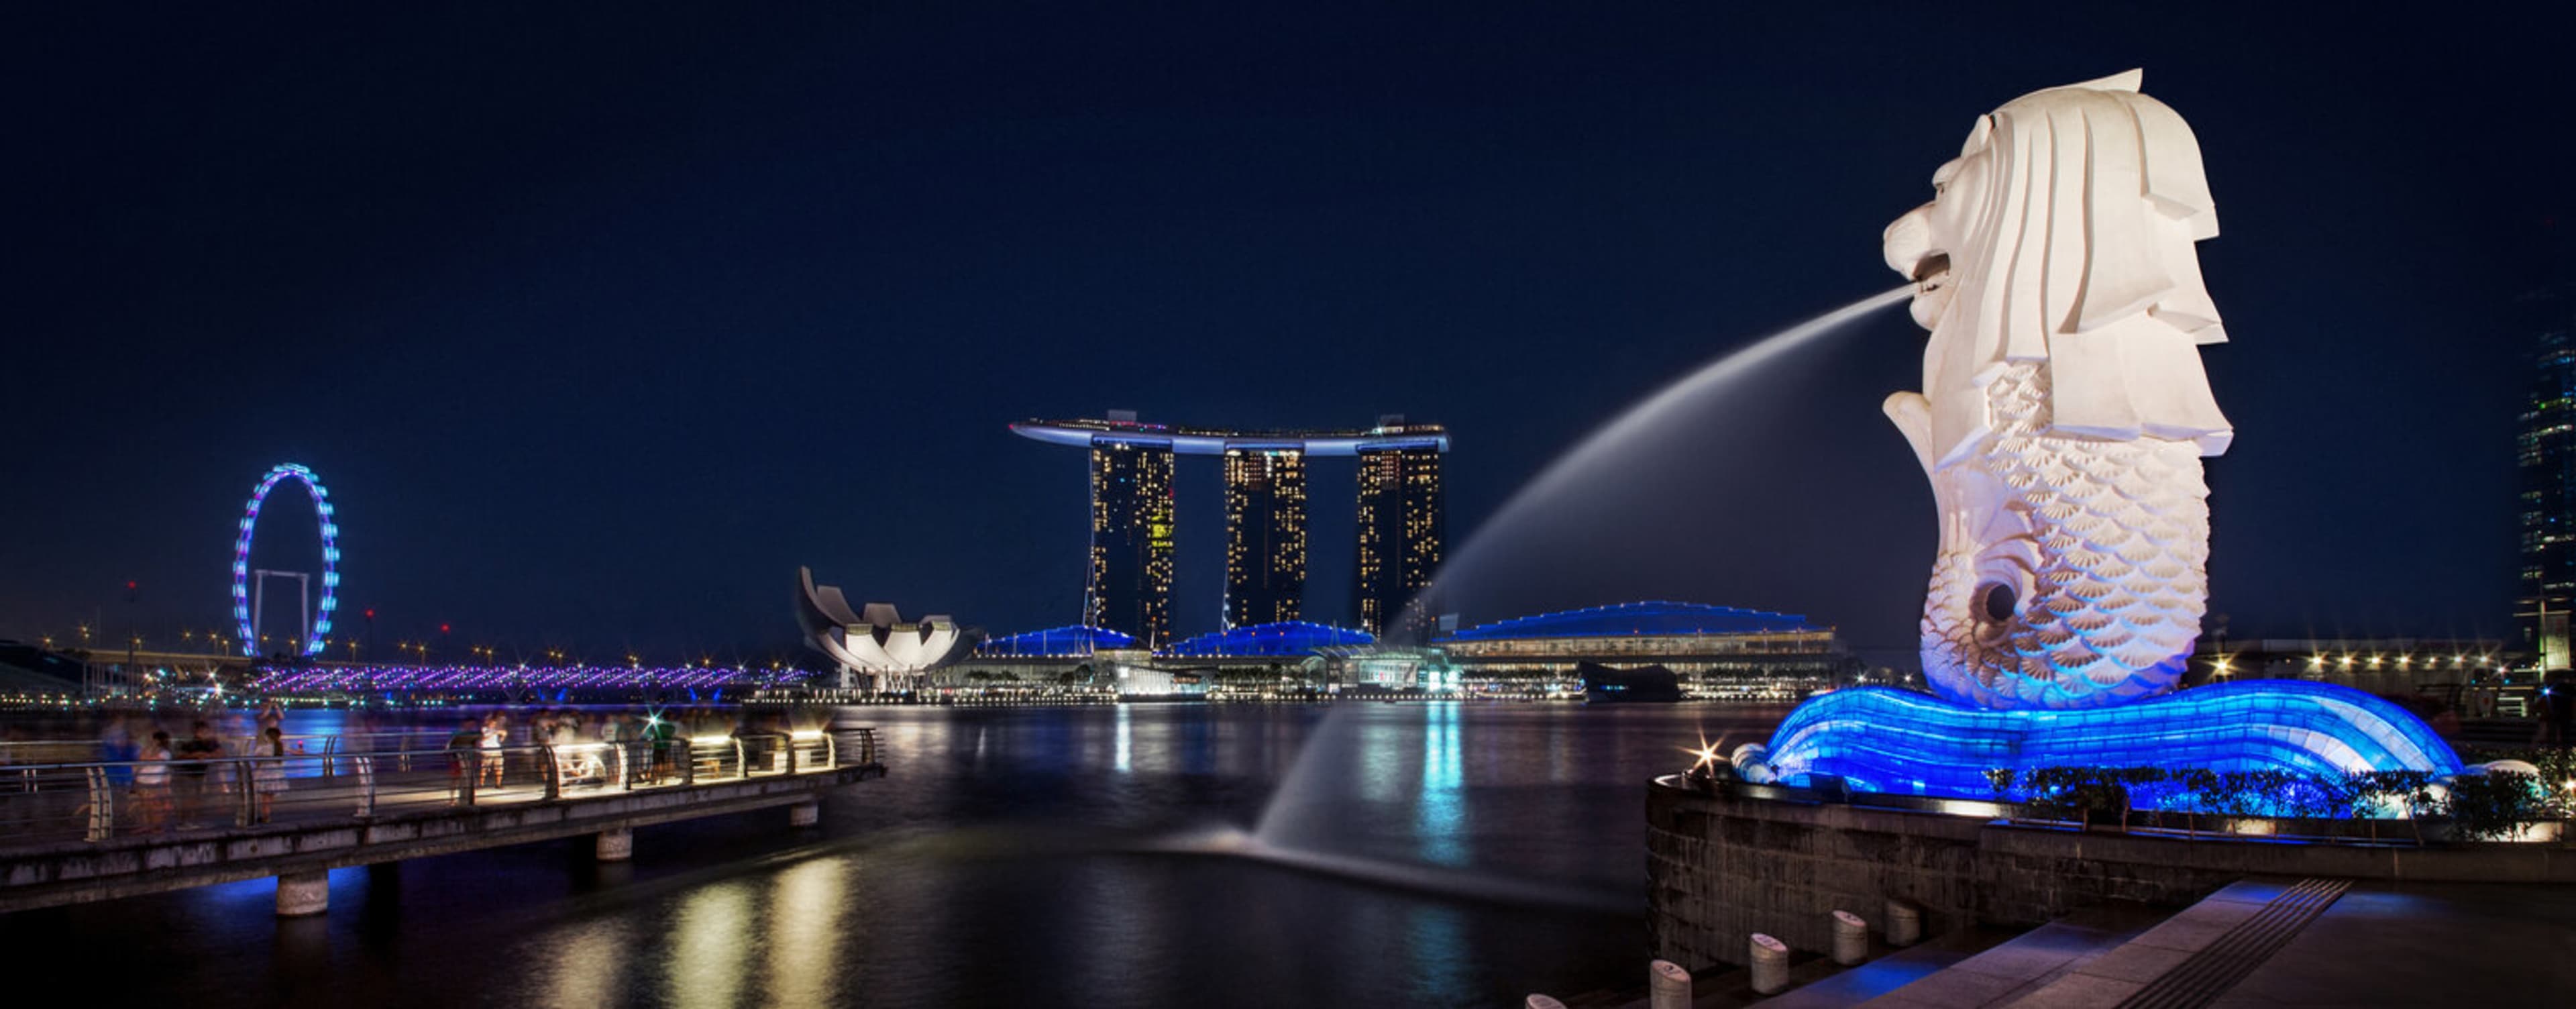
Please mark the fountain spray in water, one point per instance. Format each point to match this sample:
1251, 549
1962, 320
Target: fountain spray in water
1283, 817
1280, 836
1581, 471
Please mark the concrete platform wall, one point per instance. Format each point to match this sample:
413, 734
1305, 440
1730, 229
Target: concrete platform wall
1722, 867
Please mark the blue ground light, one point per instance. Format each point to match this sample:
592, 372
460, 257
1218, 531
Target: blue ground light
1882, 739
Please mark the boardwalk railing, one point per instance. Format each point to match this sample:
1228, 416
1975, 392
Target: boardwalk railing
99, 800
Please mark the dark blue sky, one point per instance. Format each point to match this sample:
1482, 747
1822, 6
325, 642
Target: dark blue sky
599, 323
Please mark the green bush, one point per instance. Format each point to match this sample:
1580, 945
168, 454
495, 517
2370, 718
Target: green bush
2481, 806
2494, 806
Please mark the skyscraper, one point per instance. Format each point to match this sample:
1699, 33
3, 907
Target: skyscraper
2547, 452
1131, 539
1402, 525
1265, 534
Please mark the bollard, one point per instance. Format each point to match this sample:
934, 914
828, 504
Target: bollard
616, 845
1541, 1002
805, 815
1668, 986
1769, 960
1904, 923
303, 893
1851, 938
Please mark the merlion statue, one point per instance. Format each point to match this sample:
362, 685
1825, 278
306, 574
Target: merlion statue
2062, 421
2064, 411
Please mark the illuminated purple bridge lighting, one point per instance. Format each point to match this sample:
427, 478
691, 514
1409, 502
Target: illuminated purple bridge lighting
353, 679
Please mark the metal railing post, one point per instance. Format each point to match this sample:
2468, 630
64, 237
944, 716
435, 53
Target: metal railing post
102, 805
554, 772
366, 765
741, 763
245, 808
790, 743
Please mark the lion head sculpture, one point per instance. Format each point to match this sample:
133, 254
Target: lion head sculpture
2064, 411
2063, 232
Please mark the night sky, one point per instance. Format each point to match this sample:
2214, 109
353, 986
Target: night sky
597, 324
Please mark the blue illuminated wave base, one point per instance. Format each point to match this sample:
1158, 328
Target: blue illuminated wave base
1882, 739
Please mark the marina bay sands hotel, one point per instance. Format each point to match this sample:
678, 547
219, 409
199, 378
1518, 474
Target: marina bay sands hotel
1401, 521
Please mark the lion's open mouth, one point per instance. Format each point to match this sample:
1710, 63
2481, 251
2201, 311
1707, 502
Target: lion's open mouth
1930, 271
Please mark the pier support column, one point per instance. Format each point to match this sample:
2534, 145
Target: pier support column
616, 845
805, 814
303, 893
1668, 986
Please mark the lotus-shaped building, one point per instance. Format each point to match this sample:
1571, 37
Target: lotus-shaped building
875, 642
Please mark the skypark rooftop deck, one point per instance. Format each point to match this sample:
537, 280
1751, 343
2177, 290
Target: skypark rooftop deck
1187, 440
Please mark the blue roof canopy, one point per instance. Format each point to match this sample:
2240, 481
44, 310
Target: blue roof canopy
1073, 639
1286, 638
1655, 617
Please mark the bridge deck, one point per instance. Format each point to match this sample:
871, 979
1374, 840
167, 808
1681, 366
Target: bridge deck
75, 833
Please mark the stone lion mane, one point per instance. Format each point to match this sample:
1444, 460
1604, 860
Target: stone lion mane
2084, 259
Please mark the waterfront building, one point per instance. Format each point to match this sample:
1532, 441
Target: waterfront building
1265, 534
1401, 526
1131, 538
1290, 639
1072, 642
1383, 667
1075, 656
2473, 675
2546, 450
874, 647
1718, 652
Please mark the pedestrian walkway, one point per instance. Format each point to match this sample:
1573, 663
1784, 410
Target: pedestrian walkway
2030, 963
2255, 943
2451, 944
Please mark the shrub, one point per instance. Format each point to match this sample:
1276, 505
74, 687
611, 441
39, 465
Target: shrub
2495, 805
2481, 806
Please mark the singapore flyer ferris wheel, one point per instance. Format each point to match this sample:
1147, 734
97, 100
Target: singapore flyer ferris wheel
249, 585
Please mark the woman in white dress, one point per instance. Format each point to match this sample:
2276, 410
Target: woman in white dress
268, 775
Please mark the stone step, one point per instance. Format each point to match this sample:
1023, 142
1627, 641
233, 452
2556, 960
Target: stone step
2190, 960
2027, 963
1888, 970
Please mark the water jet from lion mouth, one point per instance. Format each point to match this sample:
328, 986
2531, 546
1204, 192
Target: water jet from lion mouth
1543, 502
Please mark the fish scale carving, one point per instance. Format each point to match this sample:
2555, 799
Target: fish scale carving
2113, 606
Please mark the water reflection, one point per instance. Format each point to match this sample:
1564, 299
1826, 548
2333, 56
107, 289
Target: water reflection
1000, 863
1440, 806
709, 943
805, 909
1435, 940
1126, 740
1381, 753
589, 967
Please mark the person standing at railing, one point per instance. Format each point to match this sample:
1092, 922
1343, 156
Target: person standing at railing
195, 760
496, 734
462, 747
661, 731
272, 716
268, 776
116, 743
152, 784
